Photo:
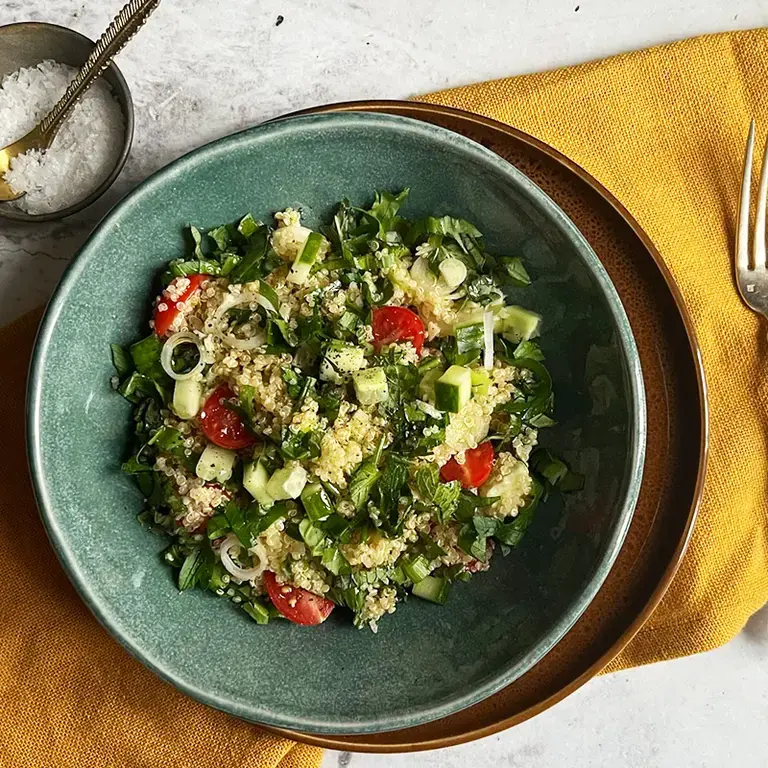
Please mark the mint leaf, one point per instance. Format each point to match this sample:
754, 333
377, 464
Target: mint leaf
444, 496
391, 482
362, 481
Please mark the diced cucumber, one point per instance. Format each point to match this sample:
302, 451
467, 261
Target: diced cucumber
433, 588
341, 359
329, 373
453, 389
306, 258
215, 464
453, 271
287, 483
427, 384
255, 479
518, 324
480, 382
316, 503
371, 386
416, 569
186, 398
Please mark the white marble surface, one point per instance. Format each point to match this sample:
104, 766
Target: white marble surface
201, 69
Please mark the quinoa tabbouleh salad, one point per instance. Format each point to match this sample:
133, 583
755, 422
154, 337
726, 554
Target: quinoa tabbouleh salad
339, 417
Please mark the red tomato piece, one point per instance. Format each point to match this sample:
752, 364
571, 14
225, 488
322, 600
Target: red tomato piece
221, 425
297, 604
476, 469
167, 309
391, 324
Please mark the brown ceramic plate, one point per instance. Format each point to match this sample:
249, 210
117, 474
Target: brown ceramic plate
676, 447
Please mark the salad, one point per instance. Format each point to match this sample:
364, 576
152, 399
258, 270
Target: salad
338, 418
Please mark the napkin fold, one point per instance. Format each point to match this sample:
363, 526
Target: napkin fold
664, 129
70, 696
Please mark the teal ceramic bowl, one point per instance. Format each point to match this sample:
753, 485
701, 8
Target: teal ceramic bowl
426, 661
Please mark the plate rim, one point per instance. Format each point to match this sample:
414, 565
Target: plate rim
426, 108
248, 710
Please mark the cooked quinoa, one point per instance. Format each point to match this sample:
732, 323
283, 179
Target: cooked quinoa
338, 417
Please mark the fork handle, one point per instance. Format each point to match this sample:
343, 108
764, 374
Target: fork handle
123, 27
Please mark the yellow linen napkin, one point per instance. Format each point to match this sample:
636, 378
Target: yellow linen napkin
70, 696
664, 129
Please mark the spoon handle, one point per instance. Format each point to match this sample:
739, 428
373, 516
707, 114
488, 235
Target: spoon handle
123, 27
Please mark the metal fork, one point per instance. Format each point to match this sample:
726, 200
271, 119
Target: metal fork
752, 273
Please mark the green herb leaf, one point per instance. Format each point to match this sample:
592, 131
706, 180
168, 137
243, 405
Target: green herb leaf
528, 350
248, 226
138, 387
120, 359
473, 543
313, 536
447, 225
515, 272
251, 266
269, 293
197, 239
335, 562
511, 533
482, 290
217, 526
278, 330
220, 236
445, 496
167, 440
469, 503
188, 575
469, 338
256, 611
549, 467
362, 482
293, 382
393, 479
146, 357
181, 268
556, 472
386, 206
300, 445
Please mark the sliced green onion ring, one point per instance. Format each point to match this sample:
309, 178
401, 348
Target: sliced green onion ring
238, 573
166, 355
238, 300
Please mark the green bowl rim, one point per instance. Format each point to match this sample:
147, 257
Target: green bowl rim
632, 481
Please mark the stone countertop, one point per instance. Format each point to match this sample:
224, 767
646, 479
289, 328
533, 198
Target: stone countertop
202, 69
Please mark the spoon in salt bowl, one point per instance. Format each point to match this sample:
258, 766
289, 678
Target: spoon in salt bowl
123, 27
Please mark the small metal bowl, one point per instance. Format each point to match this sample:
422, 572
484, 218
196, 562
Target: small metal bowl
28, 43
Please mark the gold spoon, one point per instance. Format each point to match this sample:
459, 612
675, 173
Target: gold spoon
123, 27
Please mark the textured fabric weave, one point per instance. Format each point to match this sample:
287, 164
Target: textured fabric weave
70, 696
664, 130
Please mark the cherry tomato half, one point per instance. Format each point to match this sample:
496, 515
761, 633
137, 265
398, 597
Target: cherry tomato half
221, 425
476, 469
297, 604
163, 318
391, 324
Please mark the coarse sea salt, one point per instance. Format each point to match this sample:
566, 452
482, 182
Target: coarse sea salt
85, 149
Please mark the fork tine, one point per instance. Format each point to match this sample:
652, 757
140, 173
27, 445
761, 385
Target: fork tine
742, 222
758, 249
